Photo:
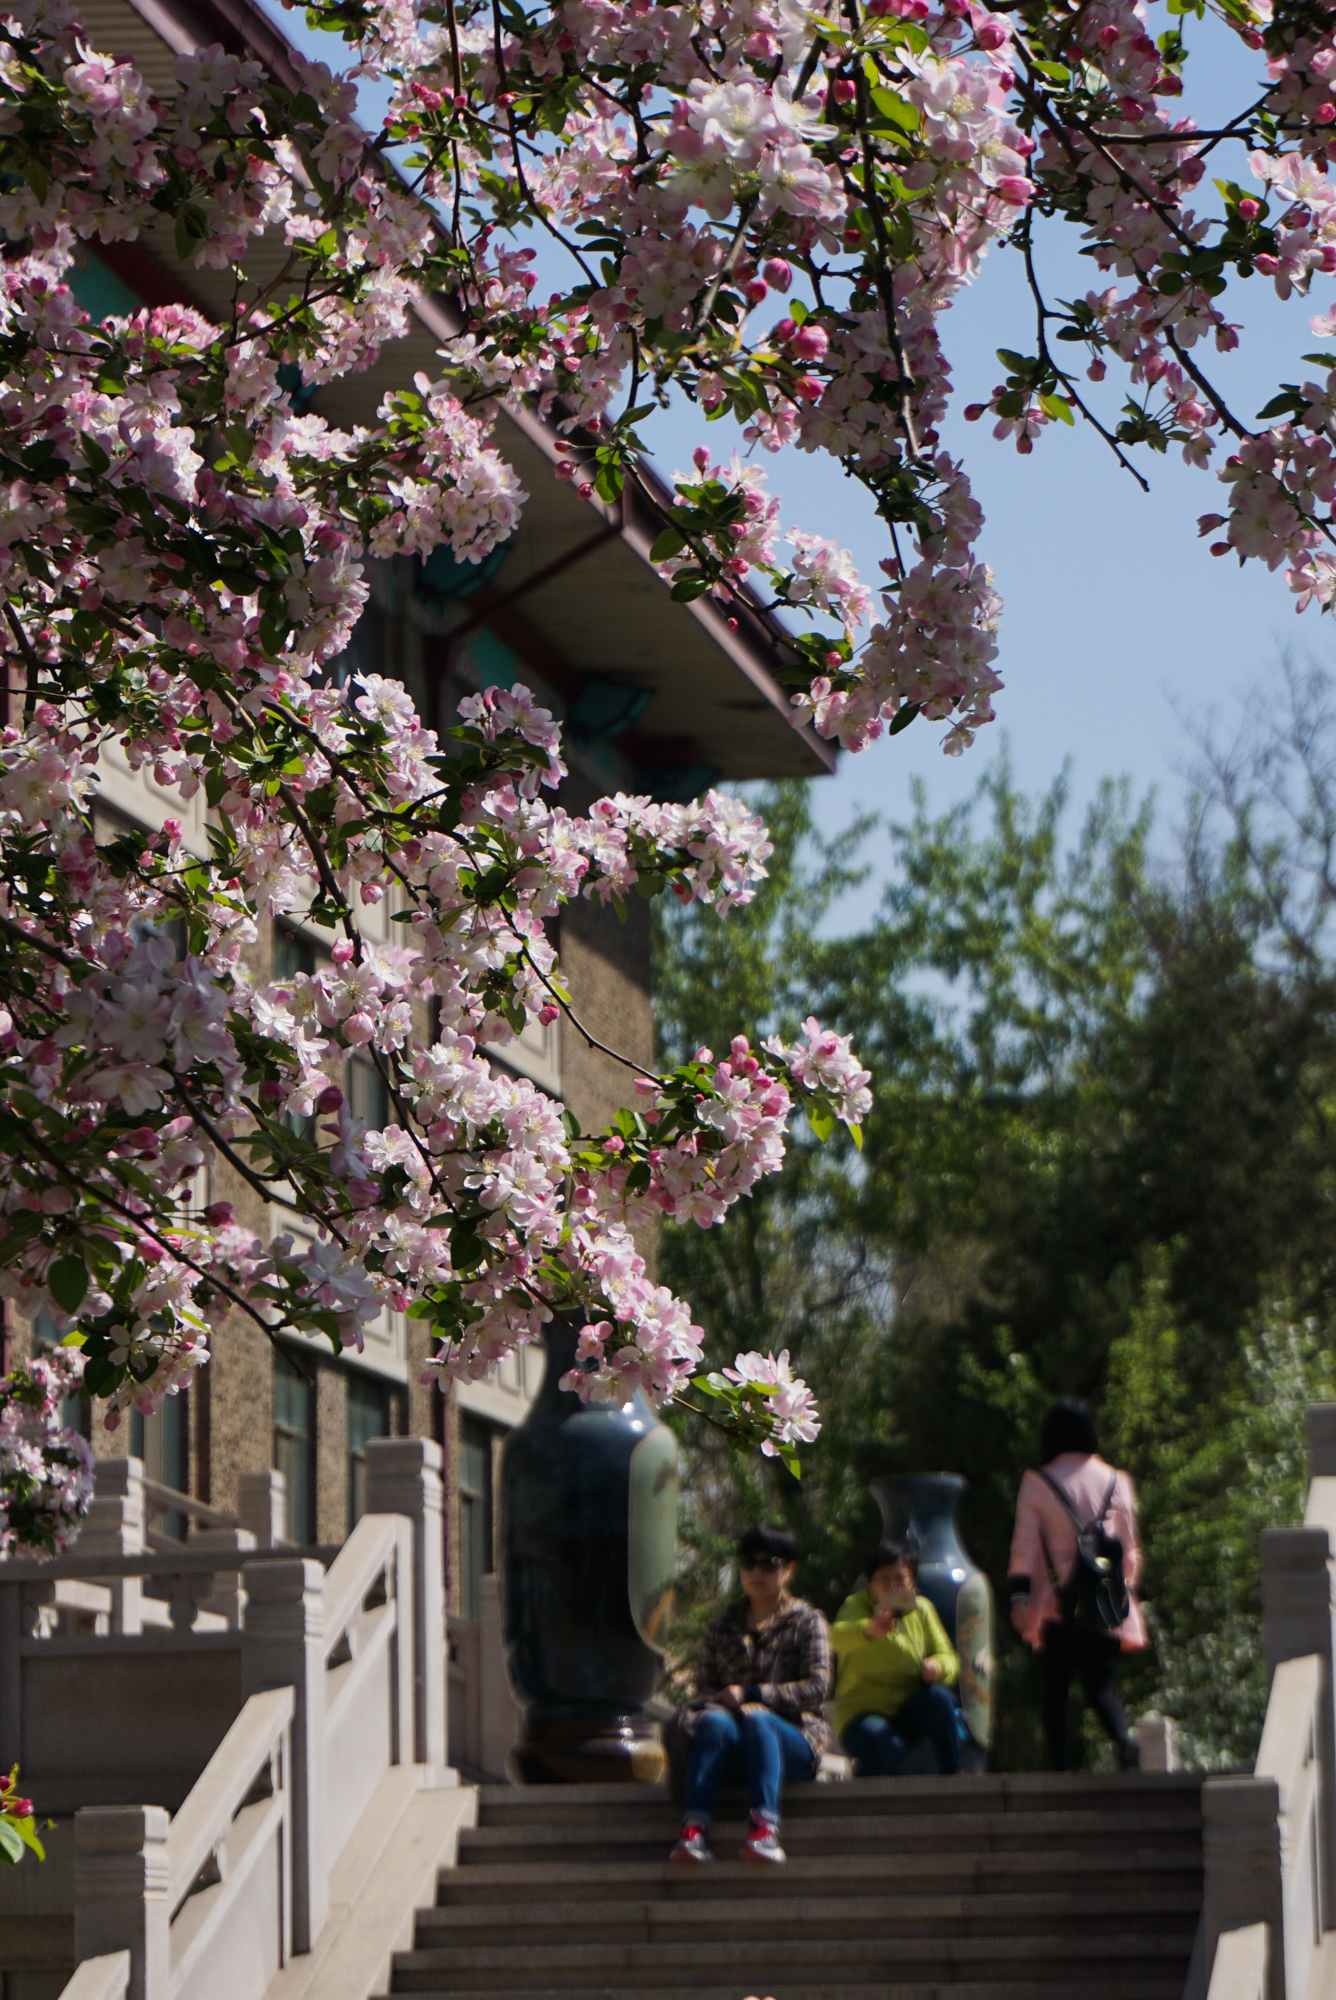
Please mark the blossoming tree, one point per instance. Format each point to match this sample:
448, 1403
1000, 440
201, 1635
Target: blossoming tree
182, 554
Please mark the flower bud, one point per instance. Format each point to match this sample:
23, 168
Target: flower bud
218, 1214
1250, 209
777, 274
810, 342
843, 90
755, 291
784, 331
330, 1099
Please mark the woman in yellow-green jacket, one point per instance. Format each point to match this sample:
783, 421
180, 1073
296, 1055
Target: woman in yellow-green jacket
895, 1664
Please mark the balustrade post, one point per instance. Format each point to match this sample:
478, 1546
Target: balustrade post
114, 1526
1297, 1576
403, 1476
1243, 1882
283, 1645
262, 1507
121, 1888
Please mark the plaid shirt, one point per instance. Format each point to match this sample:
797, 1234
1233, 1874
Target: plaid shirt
785, 1663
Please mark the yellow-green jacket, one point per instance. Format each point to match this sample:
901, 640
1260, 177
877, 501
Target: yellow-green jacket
878, 1676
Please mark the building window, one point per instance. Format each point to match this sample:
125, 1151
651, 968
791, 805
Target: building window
162, 1441
294, 1445
74, 1410
476, 1555
369, 1405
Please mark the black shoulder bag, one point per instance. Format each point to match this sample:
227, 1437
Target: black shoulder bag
1095, 1597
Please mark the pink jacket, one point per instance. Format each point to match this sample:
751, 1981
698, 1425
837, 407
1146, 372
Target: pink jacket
1042, 1522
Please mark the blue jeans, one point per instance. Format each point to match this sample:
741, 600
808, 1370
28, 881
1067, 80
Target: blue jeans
879, 1744
762, 1748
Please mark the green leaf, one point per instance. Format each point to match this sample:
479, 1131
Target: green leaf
898, 109
1289, 399
668, 544
856, 1134
903, 718
28, 1835
821, 1119
11, 1843
798, 313
68, 1282
1057, 406
466, 1250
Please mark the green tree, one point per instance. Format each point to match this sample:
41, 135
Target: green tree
1099, 1162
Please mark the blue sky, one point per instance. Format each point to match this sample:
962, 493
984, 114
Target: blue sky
1119, 625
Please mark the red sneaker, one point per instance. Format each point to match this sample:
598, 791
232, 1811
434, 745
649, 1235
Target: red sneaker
693, 1845
762, 1842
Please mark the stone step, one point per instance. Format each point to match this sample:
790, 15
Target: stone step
1059, 1913
1124, 1872
759, 1967
590, 1839
1085, 1986
1045, 1791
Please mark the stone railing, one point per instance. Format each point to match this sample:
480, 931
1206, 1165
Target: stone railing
198, 1902
1270, 1839
203, 1843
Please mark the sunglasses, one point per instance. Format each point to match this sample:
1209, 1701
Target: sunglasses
763, 1562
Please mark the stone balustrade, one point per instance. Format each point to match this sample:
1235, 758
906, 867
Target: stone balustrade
220, 1761
1270, 1839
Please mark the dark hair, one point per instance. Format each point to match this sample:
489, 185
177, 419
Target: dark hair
1068, 1426
887, 1553
765, 1540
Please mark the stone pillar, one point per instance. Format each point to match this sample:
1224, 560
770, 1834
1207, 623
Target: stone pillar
121, 1892
1243, 1883
1297, 1621
115, 1527
262, 1507
1321, 1440
1155, 1738
221, 1593
403, 1476
283, 1645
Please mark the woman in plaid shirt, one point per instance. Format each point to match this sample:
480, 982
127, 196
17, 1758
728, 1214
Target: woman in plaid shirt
764, 1672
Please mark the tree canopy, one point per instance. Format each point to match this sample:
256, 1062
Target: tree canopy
1099, 1162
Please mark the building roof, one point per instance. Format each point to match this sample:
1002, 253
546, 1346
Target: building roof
575, 596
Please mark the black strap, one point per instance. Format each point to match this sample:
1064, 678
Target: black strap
1081, 1526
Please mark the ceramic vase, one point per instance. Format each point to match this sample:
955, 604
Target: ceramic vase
588, 1548
920, 1508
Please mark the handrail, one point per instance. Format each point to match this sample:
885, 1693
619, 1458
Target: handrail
1288, 1749
1242, 1963
104, 1978
222, 1786
356, 1567
182, 1560
171, 1501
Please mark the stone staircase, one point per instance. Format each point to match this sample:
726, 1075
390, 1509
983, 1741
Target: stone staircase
984, 1888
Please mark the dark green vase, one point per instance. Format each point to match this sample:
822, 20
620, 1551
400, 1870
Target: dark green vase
588, 1544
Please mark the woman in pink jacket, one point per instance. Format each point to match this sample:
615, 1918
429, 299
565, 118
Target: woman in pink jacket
1043, 1559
